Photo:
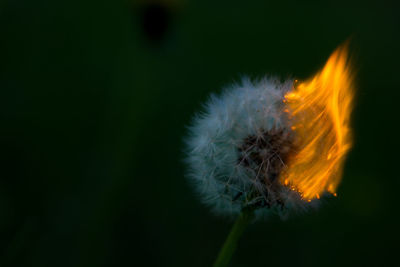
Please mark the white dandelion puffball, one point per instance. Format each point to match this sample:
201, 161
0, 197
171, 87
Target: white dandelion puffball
271, 146
238, 146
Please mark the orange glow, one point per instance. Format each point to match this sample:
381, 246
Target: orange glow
319, 110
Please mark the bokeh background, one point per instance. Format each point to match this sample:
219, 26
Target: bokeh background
94, 100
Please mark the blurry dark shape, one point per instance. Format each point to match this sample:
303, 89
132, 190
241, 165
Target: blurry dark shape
155, 20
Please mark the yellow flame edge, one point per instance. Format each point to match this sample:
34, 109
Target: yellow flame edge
319, 111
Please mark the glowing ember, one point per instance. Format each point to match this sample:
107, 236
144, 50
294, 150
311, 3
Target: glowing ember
319, 110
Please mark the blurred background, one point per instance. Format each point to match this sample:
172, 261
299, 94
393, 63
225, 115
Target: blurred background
95, 97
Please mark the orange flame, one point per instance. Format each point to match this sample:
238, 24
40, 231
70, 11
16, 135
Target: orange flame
319, 110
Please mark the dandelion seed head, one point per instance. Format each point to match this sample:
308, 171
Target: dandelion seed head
238, 146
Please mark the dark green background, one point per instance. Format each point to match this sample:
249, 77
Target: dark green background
95, 96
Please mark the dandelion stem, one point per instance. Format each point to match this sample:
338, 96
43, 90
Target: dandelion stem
231, 241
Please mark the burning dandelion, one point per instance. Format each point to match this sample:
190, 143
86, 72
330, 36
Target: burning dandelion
271, 146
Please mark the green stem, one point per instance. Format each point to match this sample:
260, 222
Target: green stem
231, 241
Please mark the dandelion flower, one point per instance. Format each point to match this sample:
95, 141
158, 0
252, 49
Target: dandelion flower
272, 146
269, 147
239, 145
